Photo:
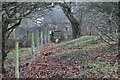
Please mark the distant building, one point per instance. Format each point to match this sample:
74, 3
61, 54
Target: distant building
56, 20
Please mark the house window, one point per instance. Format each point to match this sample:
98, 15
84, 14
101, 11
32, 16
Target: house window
54, 28
66, 28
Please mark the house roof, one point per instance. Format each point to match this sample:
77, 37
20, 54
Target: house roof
56, 16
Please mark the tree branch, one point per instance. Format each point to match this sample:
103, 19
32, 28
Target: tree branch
103, 33
9, 33
15, 25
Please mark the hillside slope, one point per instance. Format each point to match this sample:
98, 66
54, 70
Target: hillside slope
84, 57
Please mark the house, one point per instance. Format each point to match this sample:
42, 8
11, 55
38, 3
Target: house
56, 20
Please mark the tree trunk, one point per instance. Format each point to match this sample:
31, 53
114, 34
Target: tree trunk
74, 22
119, 31
118, 39
4, 54
75, 28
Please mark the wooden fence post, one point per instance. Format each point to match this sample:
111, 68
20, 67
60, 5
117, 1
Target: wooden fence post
32, 40
17, 60
45, 37
48, 37
41, 38
38, 40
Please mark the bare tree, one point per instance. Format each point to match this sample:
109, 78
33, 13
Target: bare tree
12, 14
119, 32
66, 7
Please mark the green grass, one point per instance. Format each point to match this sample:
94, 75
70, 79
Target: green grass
76, 41
76, 50
82, 41
94, 46
85, 42
67, 52
97, 67
23, 53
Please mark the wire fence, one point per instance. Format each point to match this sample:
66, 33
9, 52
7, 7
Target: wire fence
37, 40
